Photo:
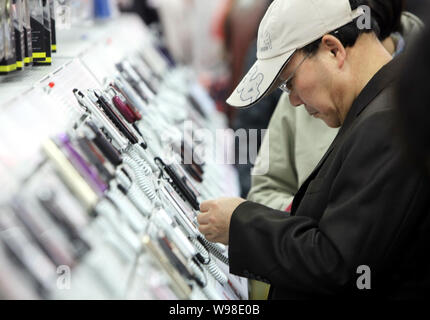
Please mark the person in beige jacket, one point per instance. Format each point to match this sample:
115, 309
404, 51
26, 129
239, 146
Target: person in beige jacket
296, 141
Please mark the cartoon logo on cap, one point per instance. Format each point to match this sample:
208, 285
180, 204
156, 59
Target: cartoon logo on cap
266, 42
249, 88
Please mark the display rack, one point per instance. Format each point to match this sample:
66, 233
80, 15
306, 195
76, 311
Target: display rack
124, 257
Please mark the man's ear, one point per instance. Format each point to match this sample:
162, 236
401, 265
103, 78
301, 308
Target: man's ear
336, 49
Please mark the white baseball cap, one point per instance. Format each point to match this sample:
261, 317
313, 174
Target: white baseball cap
288, 25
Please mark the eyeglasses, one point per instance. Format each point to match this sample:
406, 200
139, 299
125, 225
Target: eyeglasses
287, 85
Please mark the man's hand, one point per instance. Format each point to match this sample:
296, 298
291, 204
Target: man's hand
215, 217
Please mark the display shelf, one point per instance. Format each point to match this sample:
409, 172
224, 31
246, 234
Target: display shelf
119, 36
38, 104
19, 83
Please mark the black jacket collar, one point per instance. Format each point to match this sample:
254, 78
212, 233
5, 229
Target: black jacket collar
381, 80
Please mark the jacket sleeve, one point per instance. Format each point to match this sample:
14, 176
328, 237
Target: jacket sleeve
274, 177
372, 203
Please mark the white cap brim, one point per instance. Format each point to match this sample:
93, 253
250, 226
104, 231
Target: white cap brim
258, 81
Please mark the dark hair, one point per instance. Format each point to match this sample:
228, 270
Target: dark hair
349, 33
413, 99
388, 14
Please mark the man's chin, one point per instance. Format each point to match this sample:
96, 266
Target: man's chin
329, 122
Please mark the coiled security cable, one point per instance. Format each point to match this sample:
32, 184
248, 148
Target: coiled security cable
211, 265
128, 210
217, 273
145, 154
146, 183
203, 256
214, 249
133, 154
135, 194
208, 290
151, 139
143, 180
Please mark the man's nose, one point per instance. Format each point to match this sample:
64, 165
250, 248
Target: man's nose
295, 99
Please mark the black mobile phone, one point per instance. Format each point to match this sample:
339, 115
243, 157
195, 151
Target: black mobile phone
104, 145
176, 261
54, 247
132, 82
49, 203
96, 159
193, 168
114, 117
179, 184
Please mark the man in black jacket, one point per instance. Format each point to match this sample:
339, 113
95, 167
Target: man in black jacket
359, 225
